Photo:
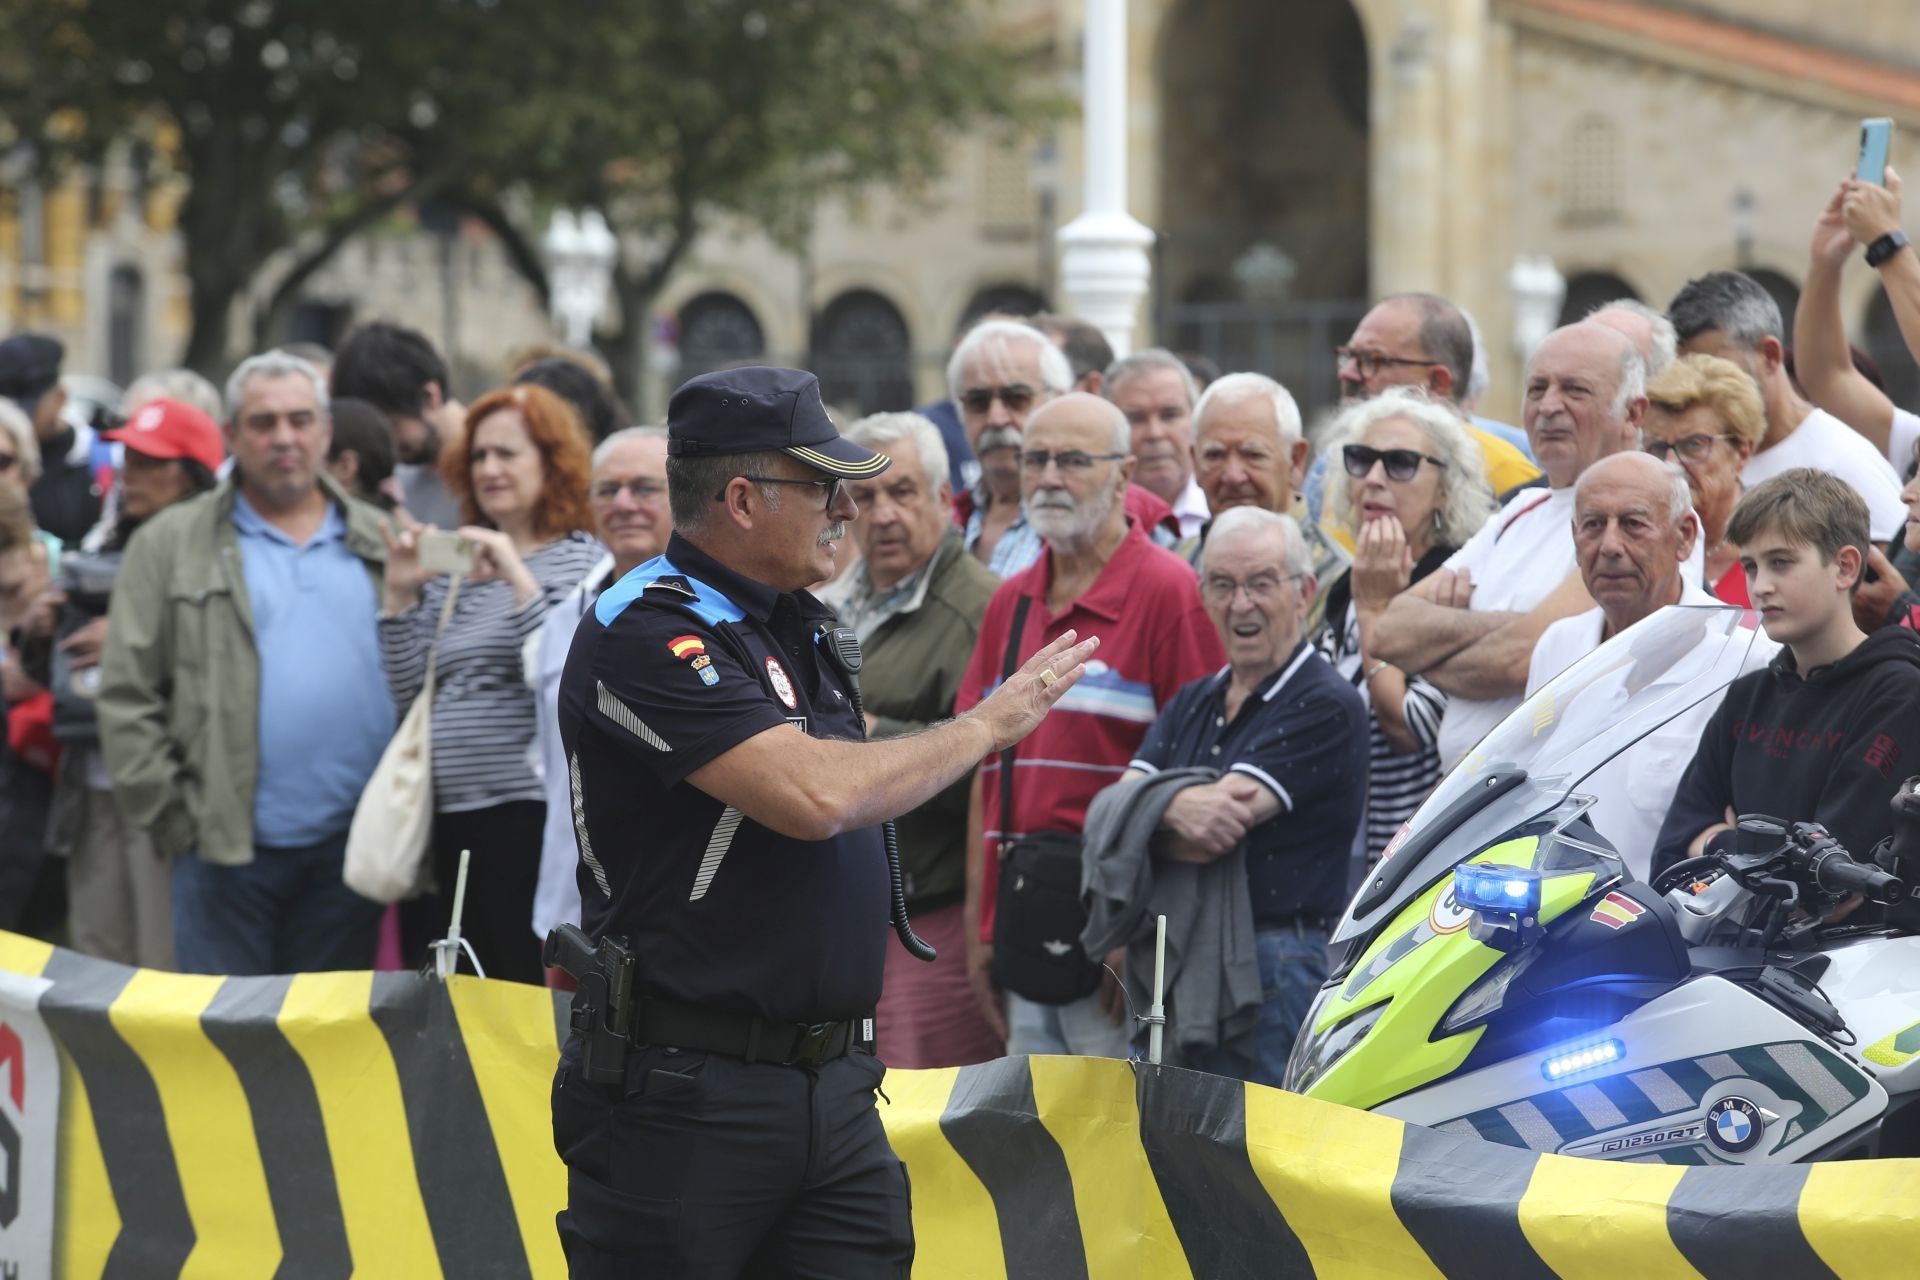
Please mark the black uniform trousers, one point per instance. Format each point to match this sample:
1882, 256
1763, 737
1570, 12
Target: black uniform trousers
704, 1166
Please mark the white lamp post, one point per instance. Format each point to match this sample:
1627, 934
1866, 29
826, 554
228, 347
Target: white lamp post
580, 253
1104, 268
1538, 292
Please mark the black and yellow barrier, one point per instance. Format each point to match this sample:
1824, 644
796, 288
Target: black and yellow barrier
385, 1125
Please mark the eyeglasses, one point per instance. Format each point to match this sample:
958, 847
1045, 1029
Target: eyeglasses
1400, 463
1036, 460
7, 460
1017, 396
833, 487
1372, 362
1260, 588
1694, 448
642, 490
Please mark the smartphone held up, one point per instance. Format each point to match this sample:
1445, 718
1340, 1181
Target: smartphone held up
1876, 146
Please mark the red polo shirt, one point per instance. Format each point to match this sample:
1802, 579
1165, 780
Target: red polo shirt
1154, 638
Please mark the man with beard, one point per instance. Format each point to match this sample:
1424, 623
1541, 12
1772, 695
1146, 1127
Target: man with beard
1100, 575
399, 373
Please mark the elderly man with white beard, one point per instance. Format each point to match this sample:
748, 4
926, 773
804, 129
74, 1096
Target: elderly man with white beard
1099, 574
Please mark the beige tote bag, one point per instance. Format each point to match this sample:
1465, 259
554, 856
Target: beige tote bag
393, 823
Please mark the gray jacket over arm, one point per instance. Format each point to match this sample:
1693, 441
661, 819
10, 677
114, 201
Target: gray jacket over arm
1213, 969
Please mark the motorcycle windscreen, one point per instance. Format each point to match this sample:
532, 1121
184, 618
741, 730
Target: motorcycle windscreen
1573, 725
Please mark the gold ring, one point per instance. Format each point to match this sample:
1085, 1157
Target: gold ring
1047, 677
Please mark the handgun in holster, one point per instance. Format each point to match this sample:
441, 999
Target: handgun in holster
603, 1005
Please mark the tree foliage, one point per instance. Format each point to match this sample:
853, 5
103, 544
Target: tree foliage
300, 123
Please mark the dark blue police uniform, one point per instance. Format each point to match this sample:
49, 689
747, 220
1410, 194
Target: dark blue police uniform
768, 1158
1302, 734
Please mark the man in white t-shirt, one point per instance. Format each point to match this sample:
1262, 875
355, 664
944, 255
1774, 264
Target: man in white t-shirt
1470, 627
1633, 531
1728, 314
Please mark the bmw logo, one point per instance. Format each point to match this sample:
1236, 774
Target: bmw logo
1735, 1125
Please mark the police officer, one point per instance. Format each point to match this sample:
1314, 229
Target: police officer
727, 812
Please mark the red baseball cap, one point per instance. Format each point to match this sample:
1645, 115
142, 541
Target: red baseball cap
168, 429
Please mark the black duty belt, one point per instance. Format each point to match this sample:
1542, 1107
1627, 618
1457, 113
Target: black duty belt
745, 1036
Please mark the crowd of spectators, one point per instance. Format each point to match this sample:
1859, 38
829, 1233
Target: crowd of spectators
217, 607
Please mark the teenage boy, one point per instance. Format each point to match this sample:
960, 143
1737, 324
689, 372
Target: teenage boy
1829, 729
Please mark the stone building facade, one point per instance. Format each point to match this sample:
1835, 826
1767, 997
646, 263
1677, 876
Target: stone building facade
1296, 159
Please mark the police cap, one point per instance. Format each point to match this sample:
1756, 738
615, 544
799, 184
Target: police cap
760, 409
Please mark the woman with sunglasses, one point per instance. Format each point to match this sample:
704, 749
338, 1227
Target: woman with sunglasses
1416, 491
1705, 413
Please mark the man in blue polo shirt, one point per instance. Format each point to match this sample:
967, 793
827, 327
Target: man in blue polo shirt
1289, 737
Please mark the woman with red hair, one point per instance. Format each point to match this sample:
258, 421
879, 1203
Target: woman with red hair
521, 481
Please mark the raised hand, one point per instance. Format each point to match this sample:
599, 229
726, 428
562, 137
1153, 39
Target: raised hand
1016, 708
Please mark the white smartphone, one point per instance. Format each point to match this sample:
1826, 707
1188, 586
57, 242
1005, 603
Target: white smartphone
442, 552
1876, 144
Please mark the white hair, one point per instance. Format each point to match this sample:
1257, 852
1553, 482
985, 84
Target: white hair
1679, 492
1146, 361
879, 429
184, 385
1666, 340
272, 364
1633, 378
605, 447
1235, 520
26, 445
991, 338
1465, 500
1236, 387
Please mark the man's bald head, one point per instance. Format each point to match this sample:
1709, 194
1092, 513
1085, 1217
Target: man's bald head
1586, 392
1081, 411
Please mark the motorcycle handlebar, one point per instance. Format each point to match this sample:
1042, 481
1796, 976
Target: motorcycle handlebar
1837, 872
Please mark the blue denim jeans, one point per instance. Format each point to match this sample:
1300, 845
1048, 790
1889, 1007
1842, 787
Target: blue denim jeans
1293, 965
287, 911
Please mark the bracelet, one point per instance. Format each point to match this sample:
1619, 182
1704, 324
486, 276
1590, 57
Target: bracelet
1379, 665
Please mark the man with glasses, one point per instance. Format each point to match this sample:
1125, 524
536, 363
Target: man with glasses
1100, 575
728, 814
1423, 340
1287, 736
628, 494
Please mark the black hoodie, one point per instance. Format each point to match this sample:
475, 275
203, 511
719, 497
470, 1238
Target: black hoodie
1831, 748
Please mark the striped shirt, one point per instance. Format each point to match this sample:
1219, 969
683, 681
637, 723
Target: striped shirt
483, 712
1396, 783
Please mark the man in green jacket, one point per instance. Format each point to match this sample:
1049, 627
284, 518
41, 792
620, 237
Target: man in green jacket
243, 705
915, 601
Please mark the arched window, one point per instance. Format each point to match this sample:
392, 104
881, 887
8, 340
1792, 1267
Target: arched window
863, 354
718, 330
1590, 289
1785, 294
1881, 338
1008, 299
126, 323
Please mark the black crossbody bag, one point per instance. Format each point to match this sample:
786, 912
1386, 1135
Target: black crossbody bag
1037, 912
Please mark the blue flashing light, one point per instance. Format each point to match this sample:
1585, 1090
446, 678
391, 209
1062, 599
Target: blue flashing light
1491, 887
1579, 1058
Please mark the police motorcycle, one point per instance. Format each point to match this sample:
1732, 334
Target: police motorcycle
1500, 974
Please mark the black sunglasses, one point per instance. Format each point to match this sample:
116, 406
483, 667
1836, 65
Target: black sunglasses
1400, 463
833, 488
1018, 397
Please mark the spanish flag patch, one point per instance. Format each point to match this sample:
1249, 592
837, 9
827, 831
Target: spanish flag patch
686, 646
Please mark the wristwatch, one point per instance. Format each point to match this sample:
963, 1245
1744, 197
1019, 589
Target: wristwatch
1886, 246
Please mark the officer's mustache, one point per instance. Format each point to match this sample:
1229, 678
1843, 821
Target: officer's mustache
831, 534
